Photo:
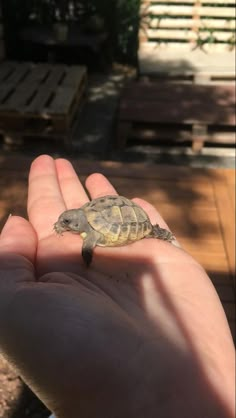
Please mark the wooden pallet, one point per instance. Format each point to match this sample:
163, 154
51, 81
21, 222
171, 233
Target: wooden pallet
199, 114
40, 99
194, 39
198, 22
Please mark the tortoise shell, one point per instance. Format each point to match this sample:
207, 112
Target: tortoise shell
118, 219
109, 221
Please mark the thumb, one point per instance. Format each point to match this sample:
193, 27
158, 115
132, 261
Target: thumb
18, 237
18, 244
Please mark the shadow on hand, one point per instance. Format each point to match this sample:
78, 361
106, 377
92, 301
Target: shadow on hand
181, 371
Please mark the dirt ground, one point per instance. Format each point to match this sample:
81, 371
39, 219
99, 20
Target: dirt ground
16, 399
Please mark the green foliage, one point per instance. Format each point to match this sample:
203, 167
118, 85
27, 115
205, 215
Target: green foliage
121, 19
128, 22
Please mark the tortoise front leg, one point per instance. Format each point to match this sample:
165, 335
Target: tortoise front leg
89, 242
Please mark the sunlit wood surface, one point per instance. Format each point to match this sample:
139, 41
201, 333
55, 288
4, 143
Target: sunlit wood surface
198, 205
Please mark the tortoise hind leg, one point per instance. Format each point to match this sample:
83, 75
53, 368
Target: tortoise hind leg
161, 233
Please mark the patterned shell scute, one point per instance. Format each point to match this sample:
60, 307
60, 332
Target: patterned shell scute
118, 219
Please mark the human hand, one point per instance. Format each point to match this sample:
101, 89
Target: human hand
140, 331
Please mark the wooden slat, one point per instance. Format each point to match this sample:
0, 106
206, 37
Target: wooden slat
215, 11
71, 90
215, 36
20, 71
38, 73
152, 91
6, 68
5, 91
175, 23
196, 221
218, 2
62, 101
146, 3
74, 76
19, 98
170, 10
214, 245
206, 22
162, 34
220, 264
230, 180
179, 134
116, 169
187, 35
226, 214
151, 112
182, 10
43, 95
224, 3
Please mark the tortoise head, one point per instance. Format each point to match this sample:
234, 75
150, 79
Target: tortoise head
70, 220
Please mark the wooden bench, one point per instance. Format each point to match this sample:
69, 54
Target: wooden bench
39, 99
178, 112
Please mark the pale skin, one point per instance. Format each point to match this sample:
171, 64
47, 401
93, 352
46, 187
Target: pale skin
140, 333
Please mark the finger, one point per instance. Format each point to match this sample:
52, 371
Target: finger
18, 244
98, 185
72, 189
45, 200
18, 237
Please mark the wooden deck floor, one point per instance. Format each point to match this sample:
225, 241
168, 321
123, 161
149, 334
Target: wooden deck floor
198, 205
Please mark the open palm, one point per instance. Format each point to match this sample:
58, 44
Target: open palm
109, 340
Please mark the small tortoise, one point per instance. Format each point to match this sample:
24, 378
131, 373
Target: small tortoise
109, 221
